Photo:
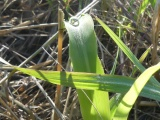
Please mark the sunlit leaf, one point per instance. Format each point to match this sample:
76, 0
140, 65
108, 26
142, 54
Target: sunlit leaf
83, 54
91, 81
130, 97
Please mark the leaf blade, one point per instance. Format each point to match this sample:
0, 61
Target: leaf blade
125, 49
83, 54
92, 81
130, 97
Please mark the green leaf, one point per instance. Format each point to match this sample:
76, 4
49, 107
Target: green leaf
130, 97
126, 50
153, 2
83, 53
92, 81
116, 99
114, 102
143, 6
141, 59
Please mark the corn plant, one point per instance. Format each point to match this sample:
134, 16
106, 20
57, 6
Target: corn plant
89, 79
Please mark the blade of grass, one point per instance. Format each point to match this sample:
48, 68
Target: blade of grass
115, 62
141, 59
114, 102
92, 81
141, 9
130, 97
116, 99
143, 6
125, 49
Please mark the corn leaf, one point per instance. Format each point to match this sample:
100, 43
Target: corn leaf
83, 53
92, 81
130, 97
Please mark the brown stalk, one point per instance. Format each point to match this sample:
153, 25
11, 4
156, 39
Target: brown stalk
154, 36
155, 32
60, 41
